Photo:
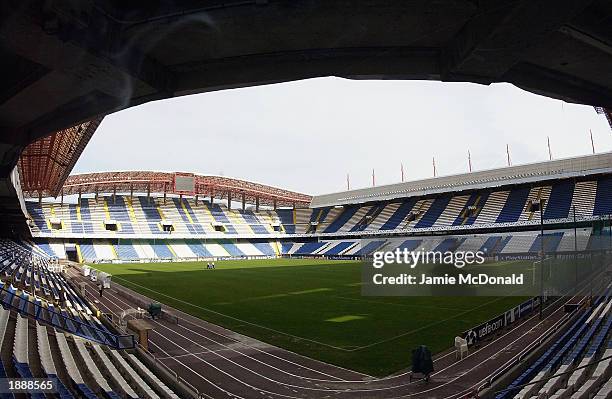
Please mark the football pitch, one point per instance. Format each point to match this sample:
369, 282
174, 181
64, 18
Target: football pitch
312, 307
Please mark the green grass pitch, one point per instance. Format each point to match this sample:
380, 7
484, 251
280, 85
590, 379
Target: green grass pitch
312, 307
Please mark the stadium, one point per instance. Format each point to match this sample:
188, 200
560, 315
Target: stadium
177, 284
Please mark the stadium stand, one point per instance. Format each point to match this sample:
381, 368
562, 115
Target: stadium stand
528, 242
603, 201
563, 370
69, 339
142, 218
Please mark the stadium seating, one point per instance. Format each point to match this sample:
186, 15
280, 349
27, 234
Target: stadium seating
38, 216
116, 208
452, 211
562, 371
550, 242
560, 200
141, 217
73, 348
449, 244
603, 200
348, 219
161, 250
148, 215
369, 247
157, 228
232, 249
435, 210
525, 243
338, 248
265, 248
87, 250
44, 245
125, 250
199, 250
37, 291
583, 200
310, 248
522, 243
492, 207
400, 212
513, 207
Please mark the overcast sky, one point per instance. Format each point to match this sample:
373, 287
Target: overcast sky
307, 135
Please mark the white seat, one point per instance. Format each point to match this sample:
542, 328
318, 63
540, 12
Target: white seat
44, 350
20, 344
145, 389
114, 374
555, 383
150, 377
4, 318
605, 392
69, 362
92, 367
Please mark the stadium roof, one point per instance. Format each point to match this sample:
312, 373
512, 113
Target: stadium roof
65, 62
164, 182
45, 164
533, 172
68, 62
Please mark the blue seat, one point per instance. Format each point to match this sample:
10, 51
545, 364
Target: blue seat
86, 391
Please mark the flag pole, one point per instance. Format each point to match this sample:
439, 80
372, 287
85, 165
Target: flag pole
592, 143
470, 161
508, 154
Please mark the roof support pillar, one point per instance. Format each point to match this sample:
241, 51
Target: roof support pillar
79, 196
243, 201
229, 200
274, 204
257, 204
196, 200
62, 198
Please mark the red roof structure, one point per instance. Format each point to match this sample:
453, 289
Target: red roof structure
218, 187
45, 164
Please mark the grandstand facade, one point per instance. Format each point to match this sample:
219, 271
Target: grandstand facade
137, 215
